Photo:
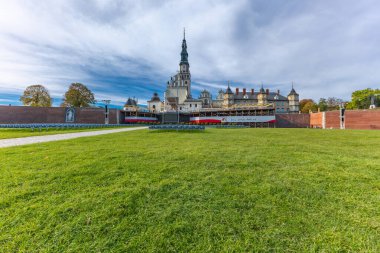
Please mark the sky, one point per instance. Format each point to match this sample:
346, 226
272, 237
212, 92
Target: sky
123, 48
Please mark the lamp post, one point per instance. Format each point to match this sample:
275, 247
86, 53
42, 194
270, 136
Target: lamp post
106, 102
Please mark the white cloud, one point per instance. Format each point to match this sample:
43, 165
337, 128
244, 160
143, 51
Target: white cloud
327, 48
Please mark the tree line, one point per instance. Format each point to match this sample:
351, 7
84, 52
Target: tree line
78, 95
360, 99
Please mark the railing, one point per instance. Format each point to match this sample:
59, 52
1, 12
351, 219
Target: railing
177, 127
59, 126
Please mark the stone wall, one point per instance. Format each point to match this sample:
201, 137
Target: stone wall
27, 114
293, 120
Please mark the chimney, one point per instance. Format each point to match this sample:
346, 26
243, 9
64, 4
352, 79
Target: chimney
278, 92
244, 91
267, 91
252, 91
237, 91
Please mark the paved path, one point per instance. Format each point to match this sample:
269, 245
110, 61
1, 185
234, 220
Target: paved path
58, 137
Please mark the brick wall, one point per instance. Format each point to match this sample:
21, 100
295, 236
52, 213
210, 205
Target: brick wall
27, 114
333, 120
355, 119
363, 119
316, 120
292, 120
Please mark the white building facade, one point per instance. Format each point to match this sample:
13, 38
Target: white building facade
178, 97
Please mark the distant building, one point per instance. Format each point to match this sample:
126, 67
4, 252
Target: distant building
177, 96
131, 104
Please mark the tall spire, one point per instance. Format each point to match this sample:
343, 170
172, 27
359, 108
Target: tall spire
184, 54
262, 88
293, 91
229, 91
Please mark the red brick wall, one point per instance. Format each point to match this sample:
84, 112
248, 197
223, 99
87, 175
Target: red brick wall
357, 119
316, 120
27, 114
333, 120
363, 119
292, 120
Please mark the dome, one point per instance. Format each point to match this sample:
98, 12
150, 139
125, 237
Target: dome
155, 98
131, 102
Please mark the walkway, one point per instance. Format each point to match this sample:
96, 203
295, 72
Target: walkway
58, 137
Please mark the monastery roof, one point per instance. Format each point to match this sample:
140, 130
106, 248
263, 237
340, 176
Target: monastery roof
249, 95
155, 98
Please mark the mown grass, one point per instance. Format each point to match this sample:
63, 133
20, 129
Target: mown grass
7, 133
222, 190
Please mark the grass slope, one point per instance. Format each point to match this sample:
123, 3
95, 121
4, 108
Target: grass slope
24, 132
224, 190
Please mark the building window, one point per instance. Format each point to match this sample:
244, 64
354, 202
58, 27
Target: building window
180, 108
196, 105
154, 106
185, 82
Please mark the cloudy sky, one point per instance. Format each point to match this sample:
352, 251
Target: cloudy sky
122, 48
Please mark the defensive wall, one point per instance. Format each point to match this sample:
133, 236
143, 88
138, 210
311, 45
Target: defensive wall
27, 114
293, 120
353, 119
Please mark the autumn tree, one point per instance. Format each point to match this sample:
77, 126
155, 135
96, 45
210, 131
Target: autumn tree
36, 95
78, 95
307, 105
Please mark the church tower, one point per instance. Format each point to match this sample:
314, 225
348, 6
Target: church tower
228, 98
179, 86
184, 67
262, 98
294, 101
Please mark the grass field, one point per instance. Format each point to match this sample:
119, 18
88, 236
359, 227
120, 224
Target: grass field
222, 190
24, 132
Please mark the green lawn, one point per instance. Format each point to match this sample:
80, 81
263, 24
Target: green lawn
222, 190
7, 133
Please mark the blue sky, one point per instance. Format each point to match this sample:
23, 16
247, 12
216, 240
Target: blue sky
123, 48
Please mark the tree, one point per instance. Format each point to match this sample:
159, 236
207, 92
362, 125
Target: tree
334, 103
329, 104
361, 99
307, 105
322, 104
36, 95
78, 95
